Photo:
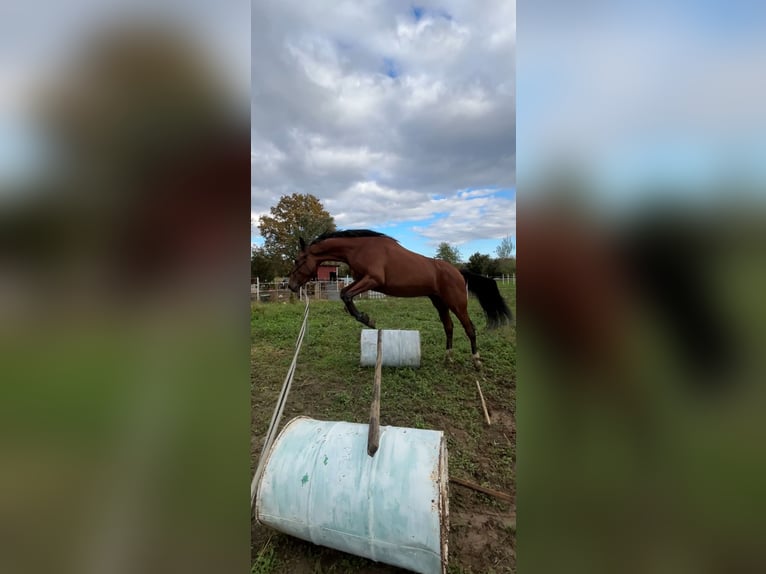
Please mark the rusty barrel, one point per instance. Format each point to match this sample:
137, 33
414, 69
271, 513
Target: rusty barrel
320, 485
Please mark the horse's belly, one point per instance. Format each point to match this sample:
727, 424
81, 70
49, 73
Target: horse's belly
407, 291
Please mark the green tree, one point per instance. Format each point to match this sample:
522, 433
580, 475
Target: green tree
505, 249
506, 265
295, 216
447, 252
492, 269
479, 263
261, 265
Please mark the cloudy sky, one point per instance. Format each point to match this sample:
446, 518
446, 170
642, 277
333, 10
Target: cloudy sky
400, 117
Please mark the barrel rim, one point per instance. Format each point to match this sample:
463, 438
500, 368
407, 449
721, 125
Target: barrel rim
444, 502
266, 463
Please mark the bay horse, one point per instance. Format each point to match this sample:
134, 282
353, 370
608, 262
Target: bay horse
379, 263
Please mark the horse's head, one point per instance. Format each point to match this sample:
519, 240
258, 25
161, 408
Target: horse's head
304, 269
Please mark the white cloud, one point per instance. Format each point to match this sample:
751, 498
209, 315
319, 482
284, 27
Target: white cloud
376, 112
464, 215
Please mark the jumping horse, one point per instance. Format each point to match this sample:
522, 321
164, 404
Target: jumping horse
379, 263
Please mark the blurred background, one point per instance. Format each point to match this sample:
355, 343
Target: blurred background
642, 272
124, 232
124, 274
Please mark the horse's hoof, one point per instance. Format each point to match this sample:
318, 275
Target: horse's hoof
448, 358
476, 361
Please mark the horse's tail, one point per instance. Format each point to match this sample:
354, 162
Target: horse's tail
491, 301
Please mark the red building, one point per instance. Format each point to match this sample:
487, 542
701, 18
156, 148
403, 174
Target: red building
327, 272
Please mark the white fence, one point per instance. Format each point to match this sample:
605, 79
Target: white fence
314, 290
278, 291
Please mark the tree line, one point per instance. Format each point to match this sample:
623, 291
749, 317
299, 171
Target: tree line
302, 215
503, 264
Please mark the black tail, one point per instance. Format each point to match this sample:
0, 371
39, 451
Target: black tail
491, 301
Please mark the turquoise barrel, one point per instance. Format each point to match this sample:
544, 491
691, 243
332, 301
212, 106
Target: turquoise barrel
400, 348
320, 485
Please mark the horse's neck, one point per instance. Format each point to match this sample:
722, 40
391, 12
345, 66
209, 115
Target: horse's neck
325, 251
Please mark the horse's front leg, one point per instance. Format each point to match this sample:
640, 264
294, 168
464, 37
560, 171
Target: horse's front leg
348, 293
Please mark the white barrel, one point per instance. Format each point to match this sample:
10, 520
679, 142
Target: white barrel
320, 485
400, 348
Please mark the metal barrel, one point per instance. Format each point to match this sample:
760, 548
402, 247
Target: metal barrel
320, 485
400, 348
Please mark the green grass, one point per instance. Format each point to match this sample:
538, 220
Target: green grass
265, 561
329, 384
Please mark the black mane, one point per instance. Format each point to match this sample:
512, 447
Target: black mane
350, 233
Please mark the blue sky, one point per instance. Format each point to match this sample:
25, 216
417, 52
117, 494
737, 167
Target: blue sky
410, 234
398, 117
675, 103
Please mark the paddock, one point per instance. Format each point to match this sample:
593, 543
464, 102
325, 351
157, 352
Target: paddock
330, 384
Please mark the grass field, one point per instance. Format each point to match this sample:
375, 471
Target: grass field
330, 385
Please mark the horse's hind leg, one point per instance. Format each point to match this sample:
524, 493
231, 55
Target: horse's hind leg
348, 293
470, 330
444, 315
457, 301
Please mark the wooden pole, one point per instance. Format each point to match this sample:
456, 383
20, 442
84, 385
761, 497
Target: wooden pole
484, 489
373, 436
483, 404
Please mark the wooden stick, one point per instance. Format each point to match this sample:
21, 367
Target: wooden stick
373, 435
483, 404
485, 490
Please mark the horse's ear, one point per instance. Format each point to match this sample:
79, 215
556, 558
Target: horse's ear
302, 243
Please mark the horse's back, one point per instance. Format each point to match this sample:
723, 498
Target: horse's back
404, 273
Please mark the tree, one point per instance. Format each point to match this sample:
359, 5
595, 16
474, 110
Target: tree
295, 216
485, 265
447, 252
478, 263
261, 265
492, 268
505, 249
506, 265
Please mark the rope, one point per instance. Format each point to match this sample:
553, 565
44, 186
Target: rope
277, 416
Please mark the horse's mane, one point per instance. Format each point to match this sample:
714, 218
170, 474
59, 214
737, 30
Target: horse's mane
350, 233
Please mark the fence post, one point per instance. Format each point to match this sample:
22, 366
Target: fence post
257, 289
